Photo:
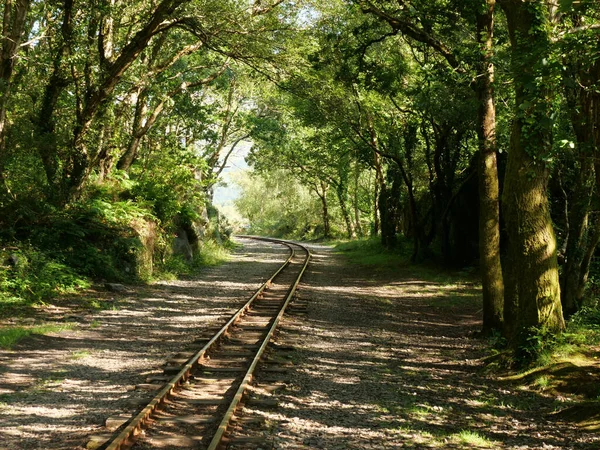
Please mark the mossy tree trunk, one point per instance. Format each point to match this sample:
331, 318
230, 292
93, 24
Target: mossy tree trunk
579, 238
532, 294
14, 24
489, 210
583, 99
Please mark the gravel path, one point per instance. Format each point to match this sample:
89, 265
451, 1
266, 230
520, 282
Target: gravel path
386, 362
382, 361
56, 390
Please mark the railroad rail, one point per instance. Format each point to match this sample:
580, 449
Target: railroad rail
197, 405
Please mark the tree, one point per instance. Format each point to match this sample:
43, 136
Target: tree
489, 193
419, 26
14, 25
532, 289
577, 49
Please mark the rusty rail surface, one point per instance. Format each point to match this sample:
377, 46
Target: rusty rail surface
126, 438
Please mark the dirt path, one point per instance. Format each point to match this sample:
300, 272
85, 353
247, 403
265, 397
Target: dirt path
56, 390
384, 361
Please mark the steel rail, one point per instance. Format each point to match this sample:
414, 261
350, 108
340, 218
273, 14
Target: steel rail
237, 399
134, 427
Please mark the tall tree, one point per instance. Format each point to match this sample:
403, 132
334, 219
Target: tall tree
13, 29
406, 18
578, 44
532, 289
489, 194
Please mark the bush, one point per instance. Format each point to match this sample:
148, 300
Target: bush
29, 276
583, 329
95, 238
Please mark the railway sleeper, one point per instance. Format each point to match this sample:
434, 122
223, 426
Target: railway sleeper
224, 369
157, 378
191, 419
149, 386
171, 370
178, 361
244, 440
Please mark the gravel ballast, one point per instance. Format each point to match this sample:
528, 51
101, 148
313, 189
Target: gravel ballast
380, 360
57, 390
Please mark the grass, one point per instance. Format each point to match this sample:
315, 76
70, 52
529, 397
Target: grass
210, 254
80, 354
98, 305
542, 382
11, 336
472, 439
370, 252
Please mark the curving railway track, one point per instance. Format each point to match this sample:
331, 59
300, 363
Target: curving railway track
197, 405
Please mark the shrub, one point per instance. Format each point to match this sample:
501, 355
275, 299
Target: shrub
30, 276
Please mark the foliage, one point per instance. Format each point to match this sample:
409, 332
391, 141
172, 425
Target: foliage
29, 276
11, 336
166, 181
210, 254
277, 206
370, 252
543, 346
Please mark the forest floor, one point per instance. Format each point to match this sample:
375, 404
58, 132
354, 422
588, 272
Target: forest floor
383, 360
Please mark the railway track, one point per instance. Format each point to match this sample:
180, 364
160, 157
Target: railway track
196, 406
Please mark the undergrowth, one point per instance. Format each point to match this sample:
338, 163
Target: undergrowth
582, 331
209, 254
46, 252
10, 336
370, 252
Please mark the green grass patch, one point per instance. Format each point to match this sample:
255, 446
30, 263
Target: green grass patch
97, 305
455, 300
472, 439
370, 252
10, 336
542, 382
80, 354
545, 347
210, 254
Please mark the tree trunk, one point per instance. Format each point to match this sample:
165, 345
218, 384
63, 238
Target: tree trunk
379, 185
45, 121
593, 241
577, 241
357, 224
325, 209
532, 295
584, 101
345, 213
389, 200
100, 94
489, 208
13, 27
341, 189
141, 108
